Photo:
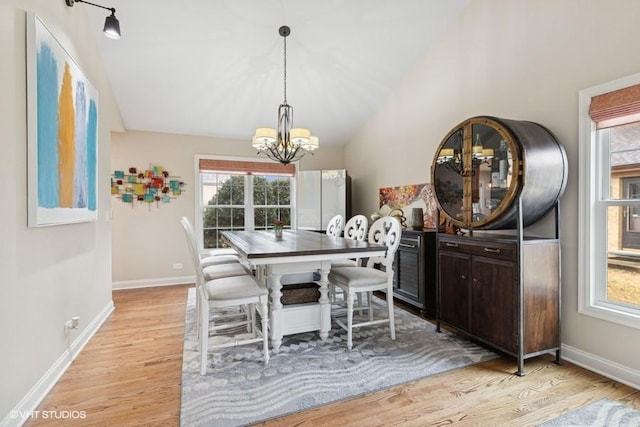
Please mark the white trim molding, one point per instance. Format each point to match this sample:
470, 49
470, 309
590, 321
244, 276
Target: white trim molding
28, 404
609, 369
150, 283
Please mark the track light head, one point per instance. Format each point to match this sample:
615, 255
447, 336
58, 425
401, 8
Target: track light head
111, 24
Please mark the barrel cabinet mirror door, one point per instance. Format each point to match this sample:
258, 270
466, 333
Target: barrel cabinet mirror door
495, 172
480, 168
476, 172
448, 173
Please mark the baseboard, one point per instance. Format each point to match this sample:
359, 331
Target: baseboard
609, 369
148, 283
24, 410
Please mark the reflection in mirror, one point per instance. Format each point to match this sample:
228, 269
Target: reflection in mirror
492, 171
448, 174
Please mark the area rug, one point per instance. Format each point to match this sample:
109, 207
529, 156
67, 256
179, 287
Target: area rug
605, 412
239, 389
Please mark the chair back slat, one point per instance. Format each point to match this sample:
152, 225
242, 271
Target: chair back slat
356, 228
334, 227
385, 231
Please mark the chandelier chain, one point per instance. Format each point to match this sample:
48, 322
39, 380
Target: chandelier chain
285, 70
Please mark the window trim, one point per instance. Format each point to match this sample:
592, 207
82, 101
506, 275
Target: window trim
590, 188
198, 196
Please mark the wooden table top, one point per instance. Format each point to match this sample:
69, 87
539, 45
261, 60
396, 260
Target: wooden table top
264, 244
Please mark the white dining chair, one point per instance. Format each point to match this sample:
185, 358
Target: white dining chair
210, 256
334, 227
223, 293
355, 229
356, 280
227, 265
228, 268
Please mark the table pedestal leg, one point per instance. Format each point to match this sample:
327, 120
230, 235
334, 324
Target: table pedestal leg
275, 310
325, 304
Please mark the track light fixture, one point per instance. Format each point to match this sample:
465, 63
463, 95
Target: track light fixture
111, 24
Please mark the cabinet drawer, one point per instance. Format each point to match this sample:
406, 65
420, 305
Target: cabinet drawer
409, 244
487, 249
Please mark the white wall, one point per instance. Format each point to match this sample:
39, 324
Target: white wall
148, 240
49, 274
515, 59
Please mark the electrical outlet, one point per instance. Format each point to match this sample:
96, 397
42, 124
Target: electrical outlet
72, 323
177, 266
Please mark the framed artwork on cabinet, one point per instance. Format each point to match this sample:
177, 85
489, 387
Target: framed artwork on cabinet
62, 131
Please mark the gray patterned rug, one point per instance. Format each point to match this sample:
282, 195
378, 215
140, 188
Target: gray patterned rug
605, 412
239, 389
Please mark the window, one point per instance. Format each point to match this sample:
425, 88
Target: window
271, 200
609, 258
238, 195
223, 206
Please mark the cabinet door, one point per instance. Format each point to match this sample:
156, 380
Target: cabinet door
409, 281
476, 172
308, 190
448, 176
455, 278
334, 195
494, 300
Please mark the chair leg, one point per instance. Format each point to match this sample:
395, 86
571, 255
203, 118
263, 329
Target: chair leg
370, 305
251, 321
360, 305
198, 308
265, 328
350, 297
392, 321
204, 337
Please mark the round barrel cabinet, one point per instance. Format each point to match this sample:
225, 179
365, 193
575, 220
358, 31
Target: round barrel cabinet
485, 163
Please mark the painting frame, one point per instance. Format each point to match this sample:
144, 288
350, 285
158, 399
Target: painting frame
62, 133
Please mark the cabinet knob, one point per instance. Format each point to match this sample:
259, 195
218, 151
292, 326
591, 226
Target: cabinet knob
493, 251
474, 280
452, 245
463, 277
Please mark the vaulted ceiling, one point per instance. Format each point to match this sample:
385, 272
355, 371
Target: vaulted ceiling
215, 67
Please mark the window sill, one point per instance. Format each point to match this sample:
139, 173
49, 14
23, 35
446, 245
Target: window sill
613, 313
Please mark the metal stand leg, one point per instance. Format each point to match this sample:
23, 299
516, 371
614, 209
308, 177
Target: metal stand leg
520, 372
558, 360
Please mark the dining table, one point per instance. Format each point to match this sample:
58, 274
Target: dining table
297, 251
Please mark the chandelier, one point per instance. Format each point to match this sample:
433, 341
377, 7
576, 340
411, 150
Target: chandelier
452, 157
286, 144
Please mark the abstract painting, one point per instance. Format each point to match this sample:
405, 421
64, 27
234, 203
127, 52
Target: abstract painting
62, 108
406, 198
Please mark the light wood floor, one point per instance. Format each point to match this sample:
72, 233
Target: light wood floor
129, 374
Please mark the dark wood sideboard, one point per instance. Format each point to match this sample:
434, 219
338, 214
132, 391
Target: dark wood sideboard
502, 293
415, 270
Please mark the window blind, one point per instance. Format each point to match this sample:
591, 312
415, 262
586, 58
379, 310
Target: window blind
616, 108
251, 168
